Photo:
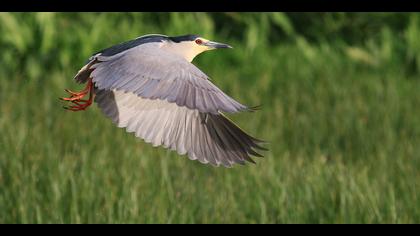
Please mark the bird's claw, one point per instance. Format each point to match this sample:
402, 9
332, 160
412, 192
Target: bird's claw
84, 91
76, 107
76, 98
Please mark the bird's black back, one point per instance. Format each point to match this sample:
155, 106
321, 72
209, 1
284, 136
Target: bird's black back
131, 44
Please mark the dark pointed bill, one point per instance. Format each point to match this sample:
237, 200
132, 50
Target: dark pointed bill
217, 45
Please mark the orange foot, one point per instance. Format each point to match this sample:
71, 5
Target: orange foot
77, 98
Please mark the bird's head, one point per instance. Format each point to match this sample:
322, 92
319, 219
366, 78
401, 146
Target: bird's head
189, 46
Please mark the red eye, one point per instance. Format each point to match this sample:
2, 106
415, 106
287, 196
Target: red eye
198, 41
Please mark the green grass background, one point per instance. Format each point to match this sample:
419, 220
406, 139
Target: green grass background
340, 96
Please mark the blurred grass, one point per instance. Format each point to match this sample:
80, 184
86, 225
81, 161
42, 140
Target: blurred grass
340, 99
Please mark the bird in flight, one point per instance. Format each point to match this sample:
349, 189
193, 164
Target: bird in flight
150, 87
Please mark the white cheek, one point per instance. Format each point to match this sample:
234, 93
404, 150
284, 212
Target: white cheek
187, 50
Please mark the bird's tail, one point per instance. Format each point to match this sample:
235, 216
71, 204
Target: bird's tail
84, 74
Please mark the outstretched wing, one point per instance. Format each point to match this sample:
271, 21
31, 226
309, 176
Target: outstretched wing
151, 72
167, 101
206, 137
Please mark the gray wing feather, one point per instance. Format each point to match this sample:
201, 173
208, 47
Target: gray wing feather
207, 138
151, 72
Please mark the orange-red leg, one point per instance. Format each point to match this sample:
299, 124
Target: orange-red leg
76, 98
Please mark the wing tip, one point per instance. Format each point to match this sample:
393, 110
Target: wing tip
254, 108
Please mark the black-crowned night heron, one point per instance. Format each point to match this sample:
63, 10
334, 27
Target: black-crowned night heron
149, 86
